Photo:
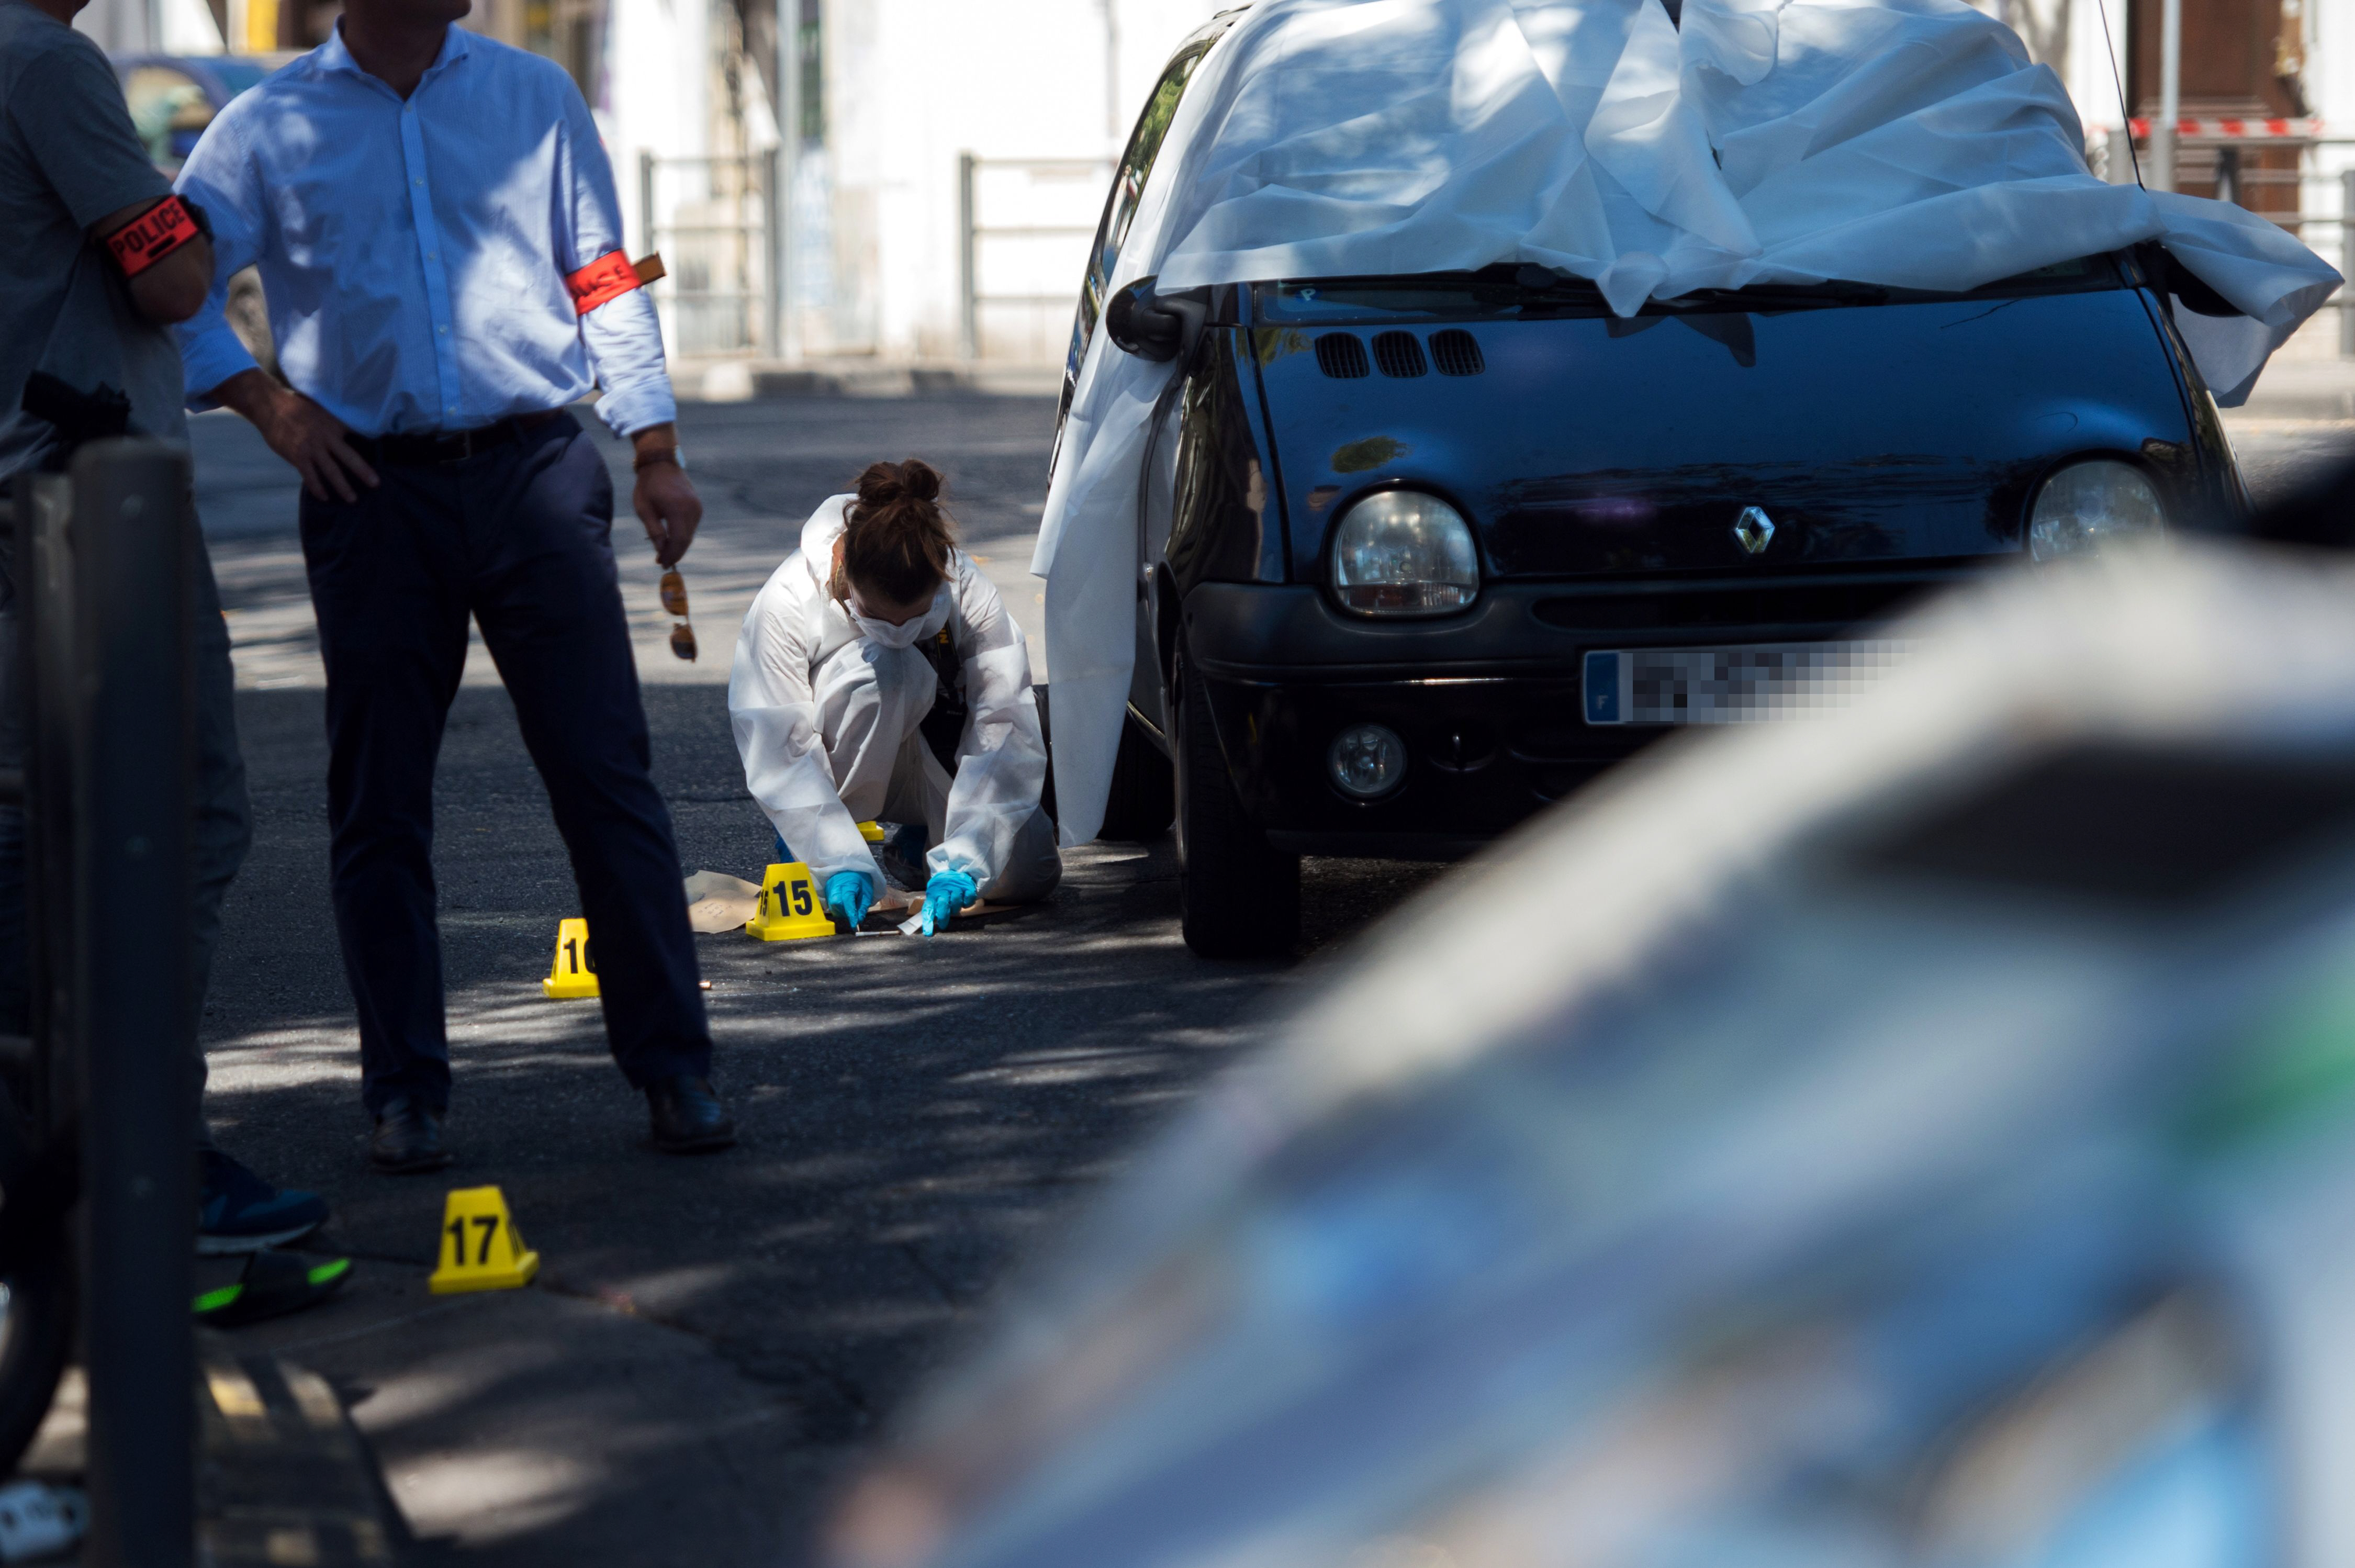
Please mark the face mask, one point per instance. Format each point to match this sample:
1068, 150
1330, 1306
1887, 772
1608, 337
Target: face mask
884, 634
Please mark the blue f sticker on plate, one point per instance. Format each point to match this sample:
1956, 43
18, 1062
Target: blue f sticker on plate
1603, 688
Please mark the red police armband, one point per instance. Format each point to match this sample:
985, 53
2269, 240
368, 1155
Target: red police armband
609, 277
153, 234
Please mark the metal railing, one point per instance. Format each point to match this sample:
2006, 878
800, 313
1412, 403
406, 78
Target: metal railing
2119, 169
972, 231
2345, 223
101, 565
725, 289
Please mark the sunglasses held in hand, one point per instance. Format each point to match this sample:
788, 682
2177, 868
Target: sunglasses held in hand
673, 598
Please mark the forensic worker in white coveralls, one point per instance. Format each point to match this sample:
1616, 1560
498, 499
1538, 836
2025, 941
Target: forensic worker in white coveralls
876, 625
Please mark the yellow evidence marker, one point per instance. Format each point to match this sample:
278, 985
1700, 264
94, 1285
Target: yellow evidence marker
574, 973
480, 1248
871, 831
789, 910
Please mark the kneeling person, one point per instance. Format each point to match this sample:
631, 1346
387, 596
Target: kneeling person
875, 619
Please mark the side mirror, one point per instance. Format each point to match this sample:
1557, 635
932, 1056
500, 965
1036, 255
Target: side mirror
1153, 326
2170, 276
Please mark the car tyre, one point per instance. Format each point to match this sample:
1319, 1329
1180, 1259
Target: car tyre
1143, 798
1237, 897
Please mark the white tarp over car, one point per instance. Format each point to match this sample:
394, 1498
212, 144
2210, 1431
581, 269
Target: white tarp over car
1907, 143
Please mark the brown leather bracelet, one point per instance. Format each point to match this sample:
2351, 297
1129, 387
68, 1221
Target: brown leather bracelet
665, 454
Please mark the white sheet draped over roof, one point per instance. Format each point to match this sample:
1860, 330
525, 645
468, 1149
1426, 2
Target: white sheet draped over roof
1900, 142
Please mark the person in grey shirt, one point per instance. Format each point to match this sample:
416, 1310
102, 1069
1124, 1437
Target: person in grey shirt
99, 260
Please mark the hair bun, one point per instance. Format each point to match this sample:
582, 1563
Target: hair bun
896, 539
885, 483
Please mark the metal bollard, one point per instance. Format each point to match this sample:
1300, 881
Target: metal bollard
134, 765
43, 580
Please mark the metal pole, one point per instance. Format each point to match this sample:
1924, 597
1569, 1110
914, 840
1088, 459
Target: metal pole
2118, 167
968, 283
772, 196
789, 133
133, 538
2170, 95
647, 236
650, 234
2346, 245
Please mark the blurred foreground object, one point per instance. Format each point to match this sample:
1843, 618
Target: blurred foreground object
2320, 511
1921, 1133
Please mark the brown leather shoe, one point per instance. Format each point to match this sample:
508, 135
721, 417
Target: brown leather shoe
408, 1138
688, 1116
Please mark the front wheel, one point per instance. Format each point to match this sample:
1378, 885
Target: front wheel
1237, 897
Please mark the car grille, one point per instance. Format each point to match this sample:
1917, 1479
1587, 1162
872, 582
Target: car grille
1399, 353
1340, 355
1747, 604
1456, 353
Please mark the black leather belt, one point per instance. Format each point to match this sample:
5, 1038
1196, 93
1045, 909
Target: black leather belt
433, 448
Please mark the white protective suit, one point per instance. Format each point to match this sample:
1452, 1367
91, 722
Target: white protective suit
1908, 143
826, 722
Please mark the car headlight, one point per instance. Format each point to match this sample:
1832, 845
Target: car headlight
2090, 505
1400, 552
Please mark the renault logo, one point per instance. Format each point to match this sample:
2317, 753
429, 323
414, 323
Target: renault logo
1753, 530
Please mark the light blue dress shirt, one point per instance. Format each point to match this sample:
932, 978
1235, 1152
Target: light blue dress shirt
414, 253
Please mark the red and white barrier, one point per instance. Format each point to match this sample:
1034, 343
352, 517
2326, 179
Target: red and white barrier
2238, 130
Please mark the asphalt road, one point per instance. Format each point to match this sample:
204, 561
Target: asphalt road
710, 1339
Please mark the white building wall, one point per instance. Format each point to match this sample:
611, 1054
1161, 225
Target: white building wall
2094, 64
915, 83
2330, 62
655, 95
2330, 92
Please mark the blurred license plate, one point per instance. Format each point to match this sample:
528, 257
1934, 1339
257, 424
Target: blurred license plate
1743, 685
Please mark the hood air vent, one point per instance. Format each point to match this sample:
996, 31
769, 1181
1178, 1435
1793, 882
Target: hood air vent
1456, 353
1399, 353
1340, 354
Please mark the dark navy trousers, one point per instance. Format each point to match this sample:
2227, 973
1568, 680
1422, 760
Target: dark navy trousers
519, 538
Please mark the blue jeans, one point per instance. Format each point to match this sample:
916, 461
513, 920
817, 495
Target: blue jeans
221, 831
519, 538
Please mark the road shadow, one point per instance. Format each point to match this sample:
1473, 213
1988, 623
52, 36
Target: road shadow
915, 1115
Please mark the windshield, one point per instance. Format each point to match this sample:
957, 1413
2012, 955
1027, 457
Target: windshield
1508, 293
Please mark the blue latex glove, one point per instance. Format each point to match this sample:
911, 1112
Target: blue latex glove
946, 893
848, 892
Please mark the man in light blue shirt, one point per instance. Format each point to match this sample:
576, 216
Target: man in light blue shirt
441, 250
